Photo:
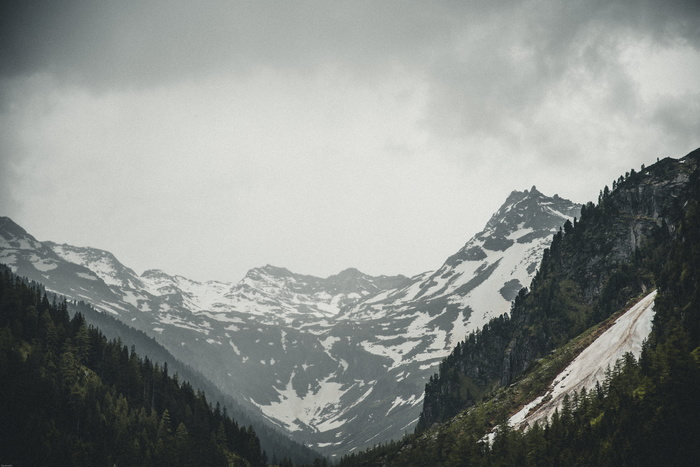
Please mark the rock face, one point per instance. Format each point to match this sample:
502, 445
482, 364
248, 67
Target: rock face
590, 269
340, 362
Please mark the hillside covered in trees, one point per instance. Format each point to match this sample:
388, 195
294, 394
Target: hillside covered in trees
71, 397
279, 448
643, 234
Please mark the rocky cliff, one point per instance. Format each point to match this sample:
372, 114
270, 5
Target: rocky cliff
593, 266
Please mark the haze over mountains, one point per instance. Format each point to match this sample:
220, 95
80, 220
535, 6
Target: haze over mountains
341, 363
318, 357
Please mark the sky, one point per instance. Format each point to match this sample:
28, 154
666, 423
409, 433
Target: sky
207, 138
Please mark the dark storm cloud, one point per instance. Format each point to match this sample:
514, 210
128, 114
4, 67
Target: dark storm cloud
487, 65
141, 43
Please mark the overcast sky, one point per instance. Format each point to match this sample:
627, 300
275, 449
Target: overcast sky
206, 138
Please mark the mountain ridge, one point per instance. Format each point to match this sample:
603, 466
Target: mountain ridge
633, 256
319, 355
583, 277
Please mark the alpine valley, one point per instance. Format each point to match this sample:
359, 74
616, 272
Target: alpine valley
560, 334
339, 363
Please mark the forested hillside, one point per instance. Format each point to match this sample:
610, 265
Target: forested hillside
71, 397
592, 267
277, 446
645, 233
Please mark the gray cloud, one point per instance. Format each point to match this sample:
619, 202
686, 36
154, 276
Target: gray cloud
516, 89
680, 118
140, 43
144, 43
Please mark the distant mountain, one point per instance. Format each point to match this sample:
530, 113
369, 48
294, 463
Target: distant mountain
66, 268
511, 393
338, 362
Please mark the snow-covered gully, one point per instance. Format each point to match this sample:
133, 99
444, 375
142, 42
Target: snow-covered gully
627, 334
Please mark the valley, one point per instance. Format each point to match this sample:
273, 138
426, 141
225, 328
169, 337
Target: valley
318, 358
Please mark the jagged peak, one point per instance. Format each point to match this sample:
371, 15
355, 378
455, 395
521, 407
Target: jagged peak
269, 269
521, 206
83, 249
12, 235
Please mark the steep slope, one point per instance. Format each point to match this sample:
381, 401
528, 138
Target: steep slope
626, 335
319, 357
37, 261
70, 397
642, 412
407, 331
589, 271
118, 292
485, 275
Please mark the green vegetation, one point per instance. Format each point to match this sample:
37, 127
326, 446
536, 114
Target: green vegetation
592, 268
646, 412
70, 397
273, 442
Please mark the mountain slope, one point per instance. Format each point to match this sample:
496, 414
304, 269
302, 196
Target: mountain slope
589, 271
643, 234
625, 336
319, 357
70, 397
118, 291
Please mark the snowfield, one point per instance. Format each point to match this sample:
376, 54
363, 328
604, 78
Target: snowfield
627, 334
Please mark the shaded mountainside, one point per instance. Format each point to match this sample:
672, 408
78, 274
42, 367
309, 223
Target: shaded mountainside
592, 267
97, 277
274, 443
318, 357
643, 234
70, 397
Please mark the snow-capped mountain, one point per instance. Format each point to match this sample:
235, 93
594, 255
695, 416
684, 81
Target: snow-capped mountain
339, 362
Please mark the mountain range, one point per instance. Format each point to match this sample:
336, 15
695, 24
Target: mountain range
598, 361
339, 363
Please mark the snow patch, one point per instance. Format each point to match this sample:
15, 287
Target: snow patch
626, 335
87, 276
42, 265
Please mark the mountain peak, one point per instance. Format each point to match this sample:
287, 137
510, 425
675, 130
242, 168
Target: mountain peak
155, 273
270, 270
14, 237
11, 232
349, 272
530, 209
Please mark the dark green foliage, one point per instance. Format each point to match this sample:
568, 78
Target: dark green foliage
592, 268
276, 445
646, 412
71, 397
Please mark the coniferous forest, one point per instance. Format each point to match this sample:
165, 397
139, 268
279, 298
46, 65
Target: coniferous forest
645, 412
71, 397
